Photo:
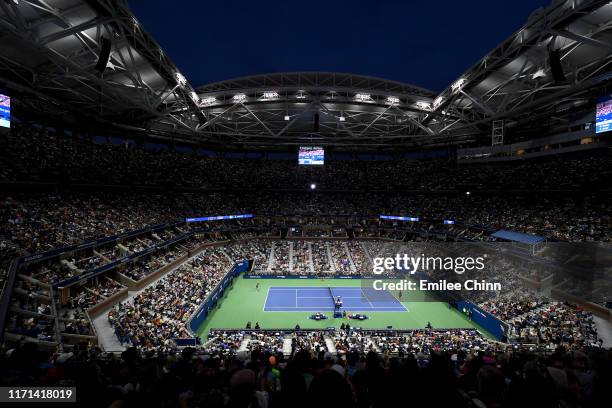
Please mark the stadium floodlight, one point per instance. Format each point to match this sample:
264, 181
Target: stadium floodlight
239, 98
194, 97
313, 186
270, 95
287, 117
423, 105
540, 73
437, 102
363, 97
209, 100
342, 118
393, 100
180, 79
458, 84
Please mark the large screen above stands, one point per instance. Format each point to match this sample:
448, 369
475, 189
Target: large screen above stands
5, 111
309, 155
603, 117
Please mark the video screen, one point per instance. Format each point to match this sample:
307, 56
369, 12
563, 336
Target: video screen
603, 117
5, 111
309, 155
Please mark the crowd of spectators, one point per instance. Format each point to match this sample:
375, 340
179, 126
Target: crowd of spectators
444, 373
71, 159
157, 316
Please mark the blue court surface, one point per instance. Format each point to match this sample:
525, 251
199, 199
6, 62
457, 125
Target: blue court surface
319, 299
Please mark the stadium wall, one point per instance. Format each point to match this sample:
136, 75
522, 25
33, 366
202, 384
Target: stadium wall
196, 320
486, 320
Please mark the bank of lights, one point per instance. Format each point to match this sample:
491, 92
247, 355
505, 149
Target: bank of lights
270, 95
540, 73
208, 100
363, 97
458, 84
423, 105
180, 79
437, 102
393, 100
238, 98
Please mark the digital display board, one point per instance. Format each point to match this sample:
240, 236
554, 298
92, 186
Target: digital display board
399, 218
219, 217
5, 111
603, 115
309, 155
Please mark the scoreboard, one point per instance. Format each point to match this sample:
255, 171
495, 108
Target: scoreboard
309, 155
5, 111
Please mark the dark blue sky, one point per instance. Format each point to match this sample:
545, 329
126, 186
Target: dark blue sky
426, 43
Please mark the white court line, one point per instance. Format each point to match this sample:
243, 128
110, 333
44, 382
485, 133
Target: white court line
327, 297
399, 308
266, 302
318, 309
368, 299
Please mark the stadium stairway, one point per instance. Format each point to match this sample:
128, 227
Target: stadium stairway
271, 257
331, 258
349, 255
310, 263
287, 346
107, 339
330, 345
245, 344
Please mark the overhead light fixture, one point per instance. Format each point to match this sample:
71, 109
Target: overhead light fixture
239, 98
208, 100
180, 79
423, 105
287, 117
458, 84
300, 95
363, 97
194, 96
342, 118
393, 100
437, 102
540, 73
313, 186
270, 95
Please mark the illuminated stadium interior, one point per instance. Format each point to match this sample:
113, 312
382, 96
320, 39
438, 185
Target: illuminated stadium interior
310, 238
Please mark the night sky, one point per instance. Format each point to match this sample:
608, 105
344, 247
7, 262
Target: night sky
426, 43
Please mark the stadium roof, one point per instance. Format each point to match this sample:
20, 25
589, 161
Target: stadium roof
49, 52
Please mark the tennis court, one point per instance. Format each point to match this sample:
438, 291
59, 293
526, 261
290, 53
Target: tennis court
320, 299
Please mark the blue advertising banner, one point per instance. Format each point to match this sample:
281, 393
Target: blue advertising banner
219, 217
200, 315
484, 319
